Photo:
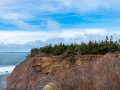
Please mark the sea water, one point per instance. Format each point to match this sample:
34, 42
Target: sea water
8, 60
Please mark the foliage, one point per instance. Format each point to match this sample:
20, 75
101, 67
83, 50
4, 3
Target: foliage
92, 47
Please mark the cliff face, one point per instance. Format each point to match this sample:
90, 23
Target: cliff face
88, 72
24, 76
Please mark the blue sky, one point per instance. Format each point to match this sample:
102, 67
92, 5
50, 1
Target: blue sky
28, 23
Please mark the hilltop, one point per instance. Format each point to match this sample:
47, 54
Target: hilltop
86, 66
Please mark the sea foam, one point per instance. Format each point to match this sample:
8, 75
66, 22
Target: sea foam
6, 70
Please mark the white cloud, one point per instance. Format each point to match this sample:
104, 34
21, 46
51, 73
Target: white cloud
71, 33
53, 25
25, 25
22, 37
12, 16
17, 12
29, 8
50, 25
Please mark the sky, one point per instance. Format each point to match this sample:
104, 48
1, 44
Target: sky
25, 24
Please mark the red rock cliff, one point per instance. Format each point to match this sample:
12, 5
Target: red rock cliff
88, 72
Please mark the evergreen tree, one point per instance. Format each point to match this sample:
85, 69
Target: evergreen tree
92, 47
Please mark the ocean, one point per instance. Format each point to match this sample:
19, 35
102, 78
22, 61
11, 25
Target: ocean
8, 60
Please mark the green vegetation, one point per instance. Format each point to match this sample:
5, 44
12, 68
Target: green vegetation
92, 47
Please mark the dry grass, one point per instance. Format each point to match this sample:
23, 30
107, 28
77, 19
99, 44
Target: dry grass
102, 74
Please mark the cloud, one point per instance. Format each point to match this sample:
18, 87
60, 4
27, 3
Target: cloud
25, 40
21, 47
9, 37
20, 12
40, 22
50, 25
30, 8
53, 25
22, 37
24, 25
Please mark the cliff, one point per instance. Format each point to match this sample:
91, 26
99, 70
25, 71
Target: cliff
87, 72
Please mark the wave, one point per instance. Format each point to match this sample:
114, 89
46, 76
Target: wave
6, 70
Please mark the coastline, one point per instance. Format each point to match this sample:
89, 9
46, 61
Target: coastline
4, 73
3, 81
8, 61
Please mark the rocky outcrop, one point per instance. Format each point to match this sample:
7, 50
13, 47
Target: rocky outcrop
49, 86
88, 72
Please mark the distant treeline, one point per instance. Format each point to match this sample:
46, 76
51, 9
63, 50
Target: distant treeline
92, 47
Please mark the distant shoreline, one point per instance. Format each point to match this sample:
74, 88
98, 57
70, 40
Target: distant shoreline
14, 52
